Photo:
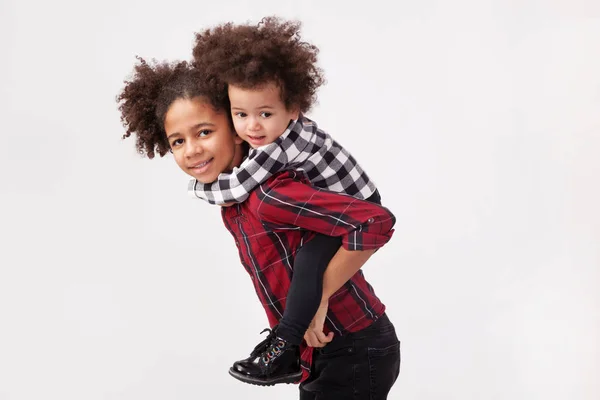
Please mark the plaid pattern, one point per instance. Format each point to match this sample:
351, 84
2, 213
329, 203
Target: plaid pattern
303, 147
272, 225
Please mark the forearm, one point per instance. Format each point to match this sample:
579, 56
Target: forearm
237, 185
341, 268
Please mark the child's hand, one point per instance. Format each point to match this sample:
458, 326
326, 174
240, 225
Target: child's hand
314, 335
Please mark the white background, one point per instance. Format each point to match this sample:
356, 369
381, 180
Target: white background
478, 120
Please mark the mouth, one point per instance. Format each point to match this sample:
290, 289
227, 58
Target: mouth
256, 139
201, 166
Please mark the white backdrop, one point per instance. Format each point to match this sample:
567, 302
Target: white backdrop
478, 120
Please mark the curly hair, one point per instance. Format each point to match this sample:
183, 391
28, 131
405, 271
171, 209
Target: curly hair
252, 55
146, 98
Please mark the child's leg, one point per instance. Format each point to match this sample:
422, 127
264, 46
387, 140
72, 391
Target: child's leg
277, 358
306, 287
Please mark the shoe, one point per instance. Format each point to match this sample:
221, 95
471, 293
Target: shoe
272, 361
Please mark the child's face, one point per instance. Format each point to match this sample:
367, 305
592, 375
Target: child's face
201, 139
259, 115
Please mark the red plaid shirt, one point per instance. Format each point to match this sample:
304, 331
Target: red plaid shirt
281, 215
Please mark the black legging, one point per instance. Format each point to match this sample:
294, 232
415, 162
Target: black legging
306, 287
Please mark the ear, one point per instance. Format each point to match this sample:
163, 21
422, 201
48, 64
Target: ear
237, 140
295, 111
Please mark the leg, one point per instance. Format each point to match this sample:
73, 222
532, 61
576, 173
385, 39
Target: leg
383, 354
363, 365
277, 358
304, 395
306, 287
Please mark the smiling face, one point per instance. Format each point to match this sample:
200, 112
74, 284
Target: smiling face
201, 139
259, 114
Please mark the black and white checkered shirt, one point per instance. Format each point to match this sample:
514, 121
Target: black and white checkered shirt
302, 147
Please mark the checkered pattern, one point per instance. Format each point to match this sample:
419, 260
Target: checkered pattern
272, 225
303, 147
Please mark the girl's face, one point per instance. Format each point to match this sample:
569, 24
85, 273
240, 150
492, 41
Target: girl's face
201, 138
259, 114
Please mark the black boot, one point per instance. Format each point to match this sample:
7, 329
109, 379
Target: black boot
272, 361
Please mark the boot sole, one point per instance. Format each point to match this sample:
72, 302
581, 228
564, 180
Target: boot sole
290, 378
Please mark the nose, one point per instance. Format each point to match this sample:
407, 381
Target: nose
253, 125
193, 148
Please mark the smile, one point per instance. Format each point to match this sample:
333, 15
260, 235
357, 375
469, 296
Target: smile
200, 167
256, 139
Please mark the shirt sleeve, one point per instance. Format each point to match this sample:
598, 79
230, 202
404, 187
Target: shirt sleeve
236, 186
290, 150
287, 202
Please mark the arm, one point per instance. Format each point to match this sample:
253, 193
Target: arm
289, 150
236, 186
344, 265
286, 201
341, 268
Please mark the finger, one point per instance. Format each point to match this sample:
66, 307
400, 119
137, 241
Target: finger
324, 338
314, 339
311, 339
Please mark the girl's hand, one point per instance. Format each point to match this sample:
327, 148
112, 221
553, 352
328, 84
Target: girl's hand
314, 335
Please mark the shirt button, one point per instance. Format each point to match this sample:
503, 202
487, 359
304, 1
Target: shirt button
371, 220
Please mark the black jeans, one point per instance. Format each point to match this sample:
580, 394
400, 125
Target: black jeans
306, 288
363, 365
